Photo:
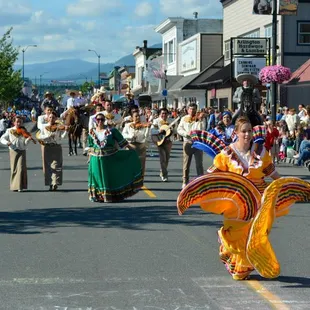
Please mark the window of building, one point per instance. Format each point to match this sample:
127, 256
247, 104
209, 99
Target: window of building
268, 31
171, 51
252, 34
166, 53
227, 50
304, 33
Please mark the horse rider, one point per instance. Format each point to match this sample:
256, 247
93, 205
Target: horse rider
49, 100
248, 99
80, 101
247, 81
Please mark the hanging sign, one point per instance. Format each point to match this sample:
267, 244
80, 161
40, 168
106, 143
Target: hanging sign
250, 46
262, 7
284, 7
288, 7
249, 65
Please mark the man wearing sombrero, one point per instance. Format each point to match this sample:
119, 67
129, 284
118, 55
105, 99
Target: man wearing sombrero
248, 98
49, 100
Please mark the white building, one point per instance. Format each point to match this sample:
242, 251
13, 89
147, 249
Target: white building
142, 54
189, 45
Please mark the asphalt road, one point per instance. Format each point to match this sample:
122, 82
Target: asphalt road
59, 251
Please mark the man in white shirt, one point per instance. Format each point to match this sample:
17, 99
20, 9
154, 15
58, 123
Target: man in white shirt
43, 119
80, 100
112, 119
71, 101
190, 122
3, 125
164, 149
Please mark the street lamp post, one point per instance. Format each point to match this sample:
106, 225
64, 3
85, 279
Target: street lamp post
274, 59
24, 50
165, 102
84, 77
98, 66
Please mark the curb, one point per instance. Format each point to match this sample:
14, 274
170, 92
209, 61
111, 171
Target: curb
293, 161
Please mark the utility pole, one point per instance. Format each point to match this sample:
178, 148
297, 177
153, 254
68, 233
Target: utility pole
274, 88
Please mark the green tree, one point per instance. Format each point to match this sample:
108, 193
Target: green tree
86, 87
10, 81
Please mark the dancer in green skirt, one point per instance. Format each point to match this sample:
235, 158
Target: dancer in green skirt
114, 173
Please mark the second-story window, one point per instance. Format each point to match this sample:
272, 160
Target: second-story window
252, 34
227, 50
268, 31
166, 53
171, 51
303, 33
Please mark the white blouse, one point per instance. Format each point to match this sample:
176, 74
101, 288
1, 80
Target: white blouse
135, 135
42, 122
18, 142
186, 126
52, 137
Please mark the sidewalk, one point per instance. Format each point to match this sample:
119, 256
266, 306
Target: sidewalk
287, 168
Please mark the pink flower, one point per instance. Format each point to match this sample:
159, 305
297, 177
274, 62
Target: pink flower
276, 73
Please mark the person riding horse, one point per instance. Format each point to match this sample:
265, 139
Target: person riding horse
248, 98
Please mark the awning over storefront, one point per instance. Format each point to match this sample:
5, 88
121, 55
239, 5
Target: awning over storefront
181, 83
213, 74
222, 76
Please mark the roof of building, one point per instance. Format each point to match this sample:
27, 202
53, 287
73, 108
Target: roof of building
301, 75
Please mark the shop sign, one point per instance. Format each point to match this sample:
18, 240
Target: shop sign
249, 65
250, 46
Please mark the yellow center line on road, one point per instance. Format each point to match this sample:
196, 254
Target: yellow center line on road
273, 299
258, 288
148, 192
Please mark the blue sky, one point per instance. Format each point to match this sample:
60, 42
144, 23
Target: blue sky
66, 29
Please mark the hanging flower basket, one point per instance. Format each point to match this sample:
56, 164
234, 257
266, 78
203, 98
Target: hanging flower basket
276, 73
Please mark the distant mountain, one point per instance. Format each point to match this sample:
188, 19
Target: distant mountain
73, 69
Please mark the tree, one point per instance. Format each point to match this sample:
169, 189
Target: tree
10, 81
87, 87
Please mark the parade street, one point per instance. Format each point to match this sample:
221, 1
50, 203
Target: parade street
60, 251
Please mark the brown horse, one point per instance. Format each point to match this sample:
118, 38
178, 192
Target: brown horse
73, 121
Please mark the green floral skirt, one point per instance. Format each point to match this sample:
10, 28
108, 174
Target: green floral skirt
115, 177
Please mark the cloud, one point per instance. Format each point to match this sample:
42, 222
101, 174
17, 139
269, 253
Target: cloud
92, 7
144, 9
134, 36
65, 36
13, 12
186, 8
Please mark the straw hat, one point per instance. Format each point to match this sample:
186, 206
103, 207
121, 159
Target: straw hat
48, 94
101, 90
245, 76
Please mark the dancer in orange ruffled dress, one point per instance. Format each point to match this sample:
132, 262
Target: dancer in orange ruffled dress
235, 188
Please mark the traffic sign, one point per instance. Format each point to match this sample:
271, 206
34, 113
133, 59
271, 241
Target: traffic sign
165, 92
